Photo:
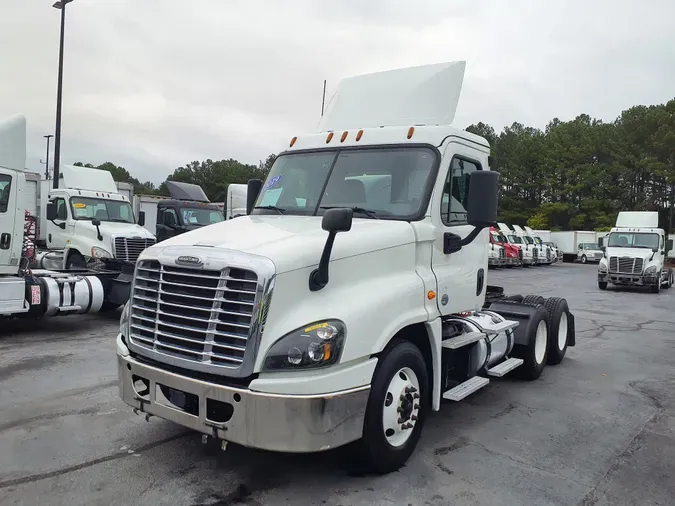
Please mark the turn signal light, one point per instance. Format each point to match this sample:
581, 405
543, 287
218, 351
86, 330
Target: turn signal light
293, 141
329, 138
411, 131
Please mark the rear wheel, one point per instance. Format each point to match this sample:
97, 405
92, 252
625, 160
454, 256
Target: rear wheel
557, 310
396, 410
535, 352
533, 299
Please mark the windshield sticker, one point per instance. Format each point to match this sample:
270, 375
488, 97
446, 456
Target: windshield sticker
79, 205
273, 182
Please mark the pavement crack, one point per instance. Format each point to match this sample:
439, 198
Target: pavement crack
601, 486
59, 472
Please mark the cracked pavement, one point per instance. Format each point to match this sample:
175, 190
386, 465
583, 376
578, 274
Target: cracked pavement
599, 429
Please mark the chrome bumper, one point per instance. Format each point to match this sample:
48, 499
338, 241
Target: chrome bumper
286, 423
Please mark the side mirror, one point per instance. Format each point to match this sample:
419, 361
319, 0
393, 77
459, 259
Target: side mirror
169, 220
96, 222
252, 192
141, 218
601, 241
655, 250
334, 221
669, 245
482, 202
51, 211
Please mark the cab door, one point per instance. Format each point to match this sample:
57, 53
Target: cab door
11, 221
462, 275
58, 231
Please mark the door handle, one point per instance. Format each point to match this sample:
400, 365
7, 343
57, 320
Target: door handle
5, 240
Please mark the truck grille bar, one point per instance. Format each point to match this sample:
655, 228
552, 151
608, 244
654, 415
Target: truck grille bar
128, 248
626, 265
198, 315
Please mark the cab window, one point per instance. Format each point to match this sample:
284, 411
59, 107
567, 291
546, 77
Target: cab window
455, 198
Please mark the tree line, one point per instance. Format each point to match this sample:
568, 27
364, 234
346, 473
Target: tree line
572, 175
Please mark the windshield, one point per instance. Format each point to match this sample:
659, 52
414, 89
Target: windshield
392, 183
537, 240
496, 237
88, 208
515, 239
633, 240
200, 216
591, 245
528, 239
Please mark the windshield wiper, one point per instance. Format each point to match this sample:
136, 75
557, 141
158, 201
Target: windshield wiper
280, 210
368, 212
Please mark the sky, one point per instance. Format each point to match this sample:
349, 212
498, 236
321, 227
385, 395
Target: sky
154, 84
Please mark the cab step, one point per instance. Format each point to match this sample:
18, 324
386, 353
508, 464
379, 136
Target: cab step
505, 367
65, 309
465, 389
463, 340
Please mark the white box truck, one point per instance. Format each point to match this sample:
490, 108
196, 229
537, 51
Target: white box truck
568, 242
351, 298
635, 253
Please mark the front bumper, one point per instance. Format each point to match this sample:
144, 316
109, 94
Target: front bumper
629, 279
496, 262
286, 423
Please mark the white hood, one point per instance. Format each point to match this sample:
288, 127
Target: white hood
294, 242
116, 229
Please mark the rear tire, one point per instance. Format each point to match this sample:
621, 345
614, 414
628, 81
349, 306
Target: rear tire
602, 285
558, 329
533, 299
386, 449
535, 352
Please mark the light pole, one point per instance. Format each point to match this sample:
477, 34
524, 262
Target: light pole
47, 159
61, 5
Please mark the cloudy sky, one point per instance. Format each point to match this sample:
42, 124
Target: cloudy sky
153, 84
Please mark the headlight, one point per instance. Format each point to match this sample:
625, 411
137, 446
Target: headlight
97, 252
602, 267
124, 319
651, 269
317, 345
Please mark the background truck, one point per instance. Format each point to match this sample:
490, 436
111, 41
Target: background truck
635, 252
547, 255
513, 254
589, 252
529, 250
354, 294
25, 288
568, 242
187, 209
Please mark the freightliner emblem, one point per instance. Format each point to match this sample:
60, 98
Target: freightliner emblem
189, 260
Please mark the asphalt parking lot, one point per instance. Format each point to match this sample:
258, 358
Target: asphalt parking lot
599, 429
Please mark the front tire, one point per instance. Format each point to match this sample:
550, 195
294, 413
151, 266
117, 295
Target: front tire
584, 259
76, 261
558, 330
602, 285
397, 407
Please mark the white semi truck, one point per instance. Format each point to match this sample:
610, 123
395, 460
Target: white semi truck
548, 254
351, 299
28, 285
530, 251
635, 253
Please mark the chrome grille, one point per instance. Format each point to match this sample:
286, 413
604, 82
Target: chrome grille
502, 254
193, 314
520, 254
128, 248
626, 265
535, 253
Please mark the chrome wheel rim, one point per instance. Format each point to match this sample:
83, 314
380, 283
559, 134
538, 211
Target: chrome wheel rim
401, 407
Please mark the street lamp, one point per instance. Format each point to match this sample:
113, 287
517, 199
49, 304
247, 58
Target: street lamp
47, 159
61, 5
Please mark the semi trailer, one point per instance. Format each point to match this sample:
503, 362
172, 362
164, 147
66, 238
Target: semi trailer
351, 299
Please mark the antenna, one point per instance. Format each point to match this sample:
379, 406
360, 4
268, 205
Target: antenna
323, 98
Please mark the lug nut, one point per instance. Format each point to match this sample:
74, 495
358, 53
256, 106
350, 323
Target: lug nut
407, 390
399, 409
413, 418
416, 406
400, 420
416, 396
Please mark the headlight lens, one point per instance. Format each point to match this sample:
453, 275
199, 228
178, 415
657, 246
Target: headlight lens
651, 269
602, 267
317, 345
124, 319
97, 252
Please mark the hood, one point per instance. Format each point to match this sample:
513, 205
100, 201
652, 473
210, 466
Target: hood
116, 229
644, 253
294, 242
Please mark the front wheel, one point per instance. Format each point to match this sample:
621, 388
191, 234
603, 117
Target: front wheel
76, 261
602, 285
396, 409
656, 288
584, 259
